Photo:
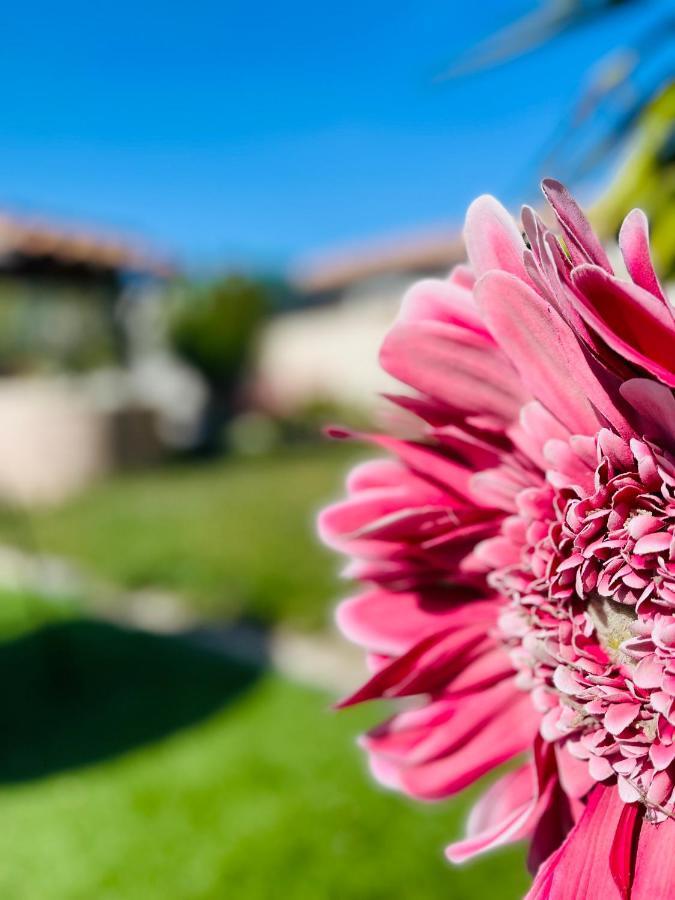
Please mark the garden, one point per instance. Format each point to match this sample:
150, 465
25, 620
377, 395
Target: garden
337, 470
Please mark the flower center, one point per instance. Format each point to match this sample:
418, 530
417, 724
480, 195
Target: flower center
590, 622
613, 626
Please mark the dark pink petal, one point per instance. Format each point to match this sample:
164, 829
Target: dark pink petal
555, 822
485, 670
629, 319
654, 407
545, 352
634, 244
624, 845
425, 667
580, 235
579, 869
469, 715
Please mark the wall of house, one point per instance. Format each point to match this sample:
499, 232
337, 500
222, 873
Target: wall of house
329, 354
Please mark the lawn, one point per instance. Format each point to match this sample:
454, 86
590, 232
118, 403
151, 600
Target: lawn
233, 537
136, 767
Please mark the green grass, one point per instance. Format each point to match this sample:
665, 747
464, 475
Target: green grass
234, 537
240, 786
23, 612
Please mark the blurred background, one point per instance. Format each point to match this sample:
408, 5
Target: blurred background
208, 215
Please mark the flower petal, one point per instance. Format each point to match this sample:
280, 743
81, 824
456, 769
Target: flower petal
546, 353
582, 240
492, 239
579, 869
630, 320
634, 244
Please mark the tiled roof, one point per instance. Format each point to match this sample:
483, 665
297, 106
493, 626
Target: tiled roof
423, 252
39, 239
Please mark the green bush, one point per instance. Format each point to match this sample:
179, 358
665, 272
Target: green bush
214, 327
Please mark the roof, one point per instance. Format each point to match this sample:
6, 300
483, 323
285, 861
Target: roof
418, 253
36, 238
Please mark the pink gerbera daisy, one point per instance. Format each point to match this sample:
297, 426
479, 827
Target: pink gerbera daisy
518, 555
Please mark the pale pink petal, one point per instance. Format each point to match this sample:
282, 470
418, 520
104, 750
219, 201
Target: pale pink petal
442, 301
492, 239
573, 773
622, 853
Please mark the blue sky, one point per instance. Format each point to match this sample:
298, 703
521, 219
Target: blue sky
233, 131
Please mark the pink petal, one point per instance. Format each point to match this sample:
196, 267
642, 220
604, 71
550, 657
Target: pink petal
653, 543
546, 353
472, 713
506, 736
573, 773
377, 473
662, 755
486, 669
648, 673
391, 623
442, 301
431, 464
457, 366
655, 863
634, 244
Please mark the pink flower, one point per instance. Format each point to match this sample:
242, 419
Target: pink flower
518, 556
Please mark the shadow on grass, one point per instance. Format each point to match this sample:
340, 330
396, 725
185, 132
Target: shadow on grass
80, 692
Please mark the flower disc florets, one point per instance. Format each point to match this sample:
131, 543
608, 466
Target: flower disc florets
590, 622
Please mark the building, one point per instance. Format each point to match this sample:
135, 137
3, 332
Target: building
67, 298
